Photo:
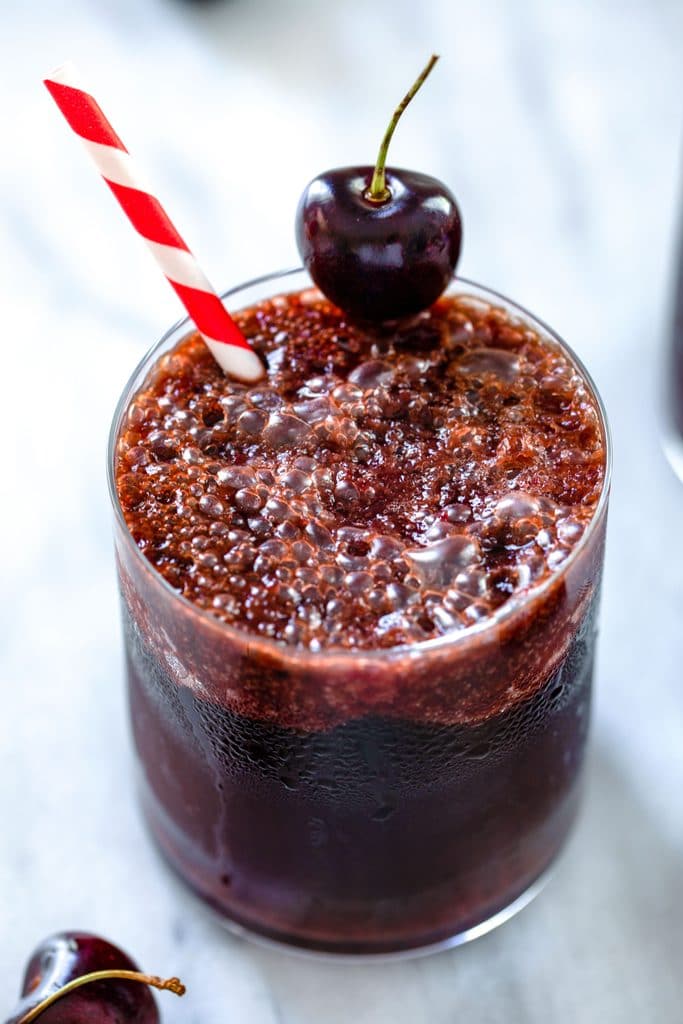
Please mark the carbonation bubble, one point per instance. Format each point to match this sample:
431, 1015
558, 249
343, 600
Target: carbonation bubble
439, 563
457, 513
371, 374
358, 582
252, 421
345, 493
279, 510
163, 444
285, 429
233, 407
495, 361
193, 456
320, 536
296, 481
569, 531
211, 506
247, 500
236, 477
331, 574
399, 596
446, 620
347, 394
387, 547
137, 456
314, 410
265, 398
517, 505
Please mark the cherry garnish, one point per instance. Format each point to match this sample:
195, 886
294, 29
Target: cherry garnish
77, 978
381, 244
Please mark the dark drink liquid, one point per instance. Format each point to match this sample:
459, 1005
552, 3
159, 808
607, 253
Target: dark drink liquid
360, 616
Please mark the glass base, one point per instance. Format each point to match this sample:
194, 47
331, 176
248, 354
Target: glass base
282, 946
297, 946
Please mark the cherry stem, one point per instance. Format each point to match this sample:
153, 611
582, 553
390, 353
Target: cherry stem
169, 984
378, 191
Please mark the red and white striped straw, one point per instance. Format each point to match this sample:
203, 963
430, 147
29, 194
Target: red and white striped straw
220, 332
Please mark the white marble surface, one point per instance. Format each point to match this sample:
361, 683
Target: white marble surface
558, 126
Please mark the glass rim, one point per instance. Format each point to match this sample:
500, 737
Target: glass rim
516, 603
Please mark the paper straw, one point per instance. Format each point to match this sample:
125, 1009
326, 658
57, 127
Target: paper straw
223, 337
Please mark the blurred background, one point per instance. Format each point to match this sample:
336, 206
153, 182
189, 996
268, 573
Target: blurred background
558, 127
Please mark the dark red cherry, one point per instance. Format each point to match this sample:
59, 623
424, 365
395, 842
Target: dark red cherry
64, 961
378, 261
381, 244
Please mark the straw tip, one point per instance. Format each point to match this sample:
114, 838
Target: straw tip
65, 74
235, 361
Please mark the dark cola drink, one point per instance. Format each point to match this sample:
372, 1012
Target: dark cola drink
359, 603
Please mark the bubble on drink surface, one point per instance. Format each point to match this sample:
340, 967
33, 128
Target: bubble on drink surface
557, 558
382, 571
137, 456
569, 530
274, 548
472, 581
446, 620
286, 530
163, 445
247, 500
347, 394
377, 599
393, 622
544, 539
495, 361
319, 535
236, 477
400, 596
358, 582
296, 481
279, 510
372, 373
302, 551
314, 410
265, 398
284, 429
332, 574
459, 334
457, 513
517, 505
387, 547
131, 493
136, 414
288, 595
438, 530
252, 421
323, 480
476, 612
211, 506
259, 526
233, 407
192, 455
346, 493
242, 556
363, 449
439, 563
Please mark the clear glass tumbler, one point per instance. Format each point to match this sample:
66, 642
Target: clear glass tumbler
361, 802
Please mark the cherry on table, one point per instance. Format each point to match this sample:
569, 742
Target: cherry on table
381, 244
78, 978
